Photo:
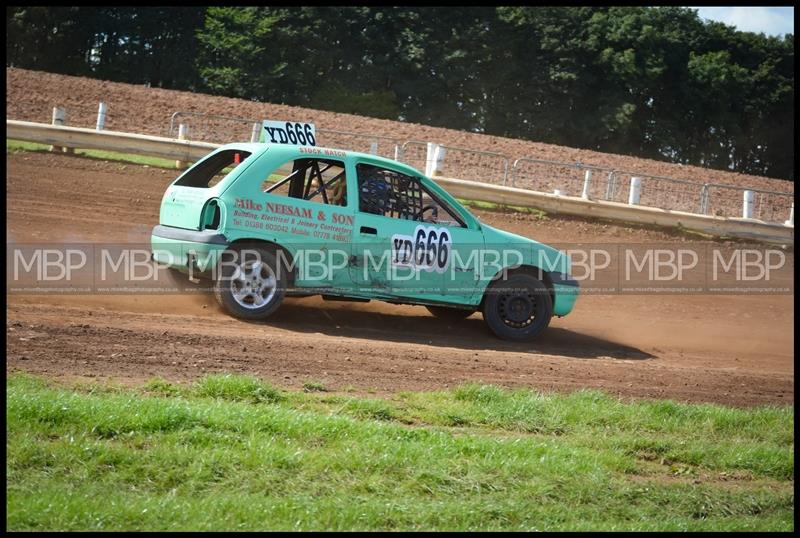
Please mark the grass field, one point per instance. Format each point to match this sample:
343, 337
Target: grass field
234, 453
20, 145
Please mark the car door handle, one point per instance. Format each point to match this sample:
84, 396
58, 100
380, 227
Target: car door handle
369, 230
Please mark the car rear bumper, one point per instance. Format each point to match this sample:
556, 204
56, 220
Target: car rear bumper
211, 237
192, 251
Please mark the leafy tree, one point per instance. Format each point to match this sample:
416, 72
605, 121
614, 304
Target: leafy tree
146, 45
655, 82
54, 39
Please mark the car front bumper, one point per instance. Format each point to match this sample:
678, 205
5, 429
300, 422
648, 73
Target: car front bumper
566, 291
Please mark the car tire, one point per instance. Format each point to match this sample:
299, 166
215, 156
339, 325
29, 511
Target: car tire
446, 312
249, 284
518, 308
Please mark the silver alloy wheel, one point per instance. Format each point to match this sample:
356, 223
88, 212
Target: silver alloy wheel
253, 284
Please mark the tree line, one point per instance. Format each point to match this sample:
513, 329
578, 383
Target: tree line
655, 82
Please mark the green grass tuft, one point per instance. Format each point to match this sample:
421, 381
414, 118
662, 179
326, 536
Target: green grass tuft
370, 409
238, 388
162, 386
212, 456
314, 386
480, 393
539, 214
13, 146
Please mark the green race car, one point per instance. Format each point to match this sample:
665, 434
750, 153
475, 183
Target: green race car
264, 221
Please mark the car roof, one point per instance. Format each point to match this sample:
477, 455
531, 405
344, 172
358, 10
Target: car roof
287, 151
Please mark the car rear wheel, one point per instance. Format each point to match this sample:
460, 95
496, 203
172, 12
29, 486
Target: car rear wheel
518, 308
249, 284
446, 312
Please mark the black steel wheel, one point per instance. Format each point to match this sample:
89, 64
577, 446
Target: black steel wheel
517, 308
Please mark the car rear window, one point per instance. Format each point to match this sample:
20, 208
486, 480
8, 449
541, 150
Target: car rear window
211, 171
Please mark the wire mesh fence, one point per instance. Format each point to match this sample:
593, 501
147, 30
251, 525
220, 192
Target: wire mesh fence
223, 129
486, 167
568, 178
212, 128
382, 146
460, 163
728, 201
483, 166
74, 115
414, 153
657, 191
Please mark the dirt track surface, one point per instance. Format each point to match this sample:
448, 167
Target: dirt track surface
735, 350
31, 96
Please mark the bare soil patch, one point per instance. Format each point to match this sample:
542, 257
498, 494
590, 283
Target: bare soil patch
736, 350
31, 96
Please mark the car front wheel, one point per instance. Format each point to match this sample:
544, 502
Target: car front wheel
249, 284
517, 308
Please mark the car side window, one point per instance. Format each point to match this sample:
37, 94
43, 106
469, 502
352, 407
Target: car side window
319, 180
386, 192
437, 212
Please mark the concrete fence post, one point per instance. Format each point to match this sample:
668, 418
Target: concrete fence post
101, 116
255, 134
790, 222
438, 160
749, 204
704, 199
373, 148
636, 191
59, 118
183, 132
430, 159
611, 185
59, 115
587, 184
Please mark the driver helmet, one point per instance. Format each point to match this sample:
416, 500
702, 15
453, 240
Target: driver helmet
375, 194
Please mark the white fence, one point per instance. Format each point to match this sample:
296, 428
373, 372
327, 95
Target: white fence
186, 150
382, 146
213, 128
568, 179
225, 129
84, 138
727, 201
483, 166
657, 191
652, 191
